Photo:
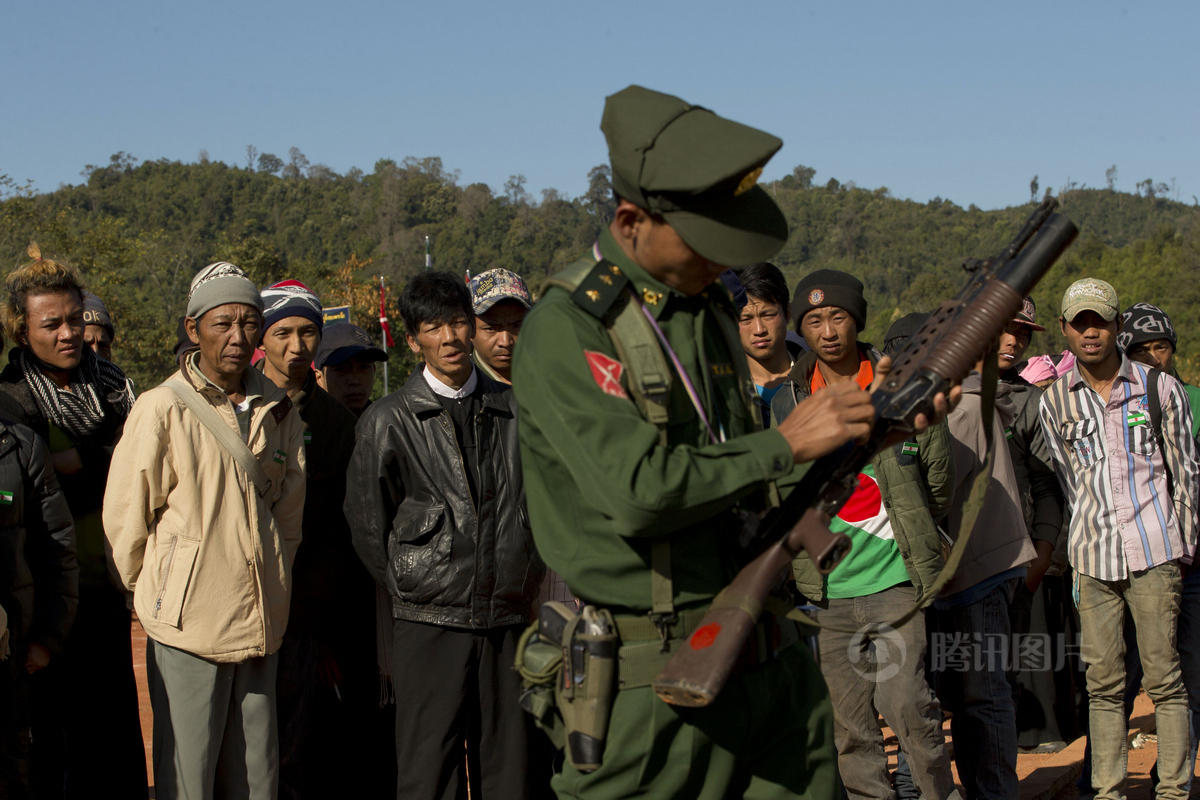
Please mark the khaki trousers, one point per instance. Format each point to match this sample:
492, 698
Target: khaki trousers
1152, 597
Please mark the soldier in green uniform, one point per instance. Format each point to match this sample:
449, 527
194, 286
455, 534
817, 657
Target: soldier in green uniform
634, 478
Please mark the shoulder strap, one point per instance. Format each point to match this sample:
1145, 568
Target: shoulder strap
601, 289
649, 374
1154, 404
570, 277
224, 435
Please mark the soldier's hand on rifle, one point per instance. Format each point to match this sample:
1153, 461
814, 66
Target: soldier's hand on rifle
942, 405
823, 422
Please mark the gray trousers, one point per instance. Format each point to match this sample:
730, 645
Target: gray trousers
215, 734
1152, 597
882, 671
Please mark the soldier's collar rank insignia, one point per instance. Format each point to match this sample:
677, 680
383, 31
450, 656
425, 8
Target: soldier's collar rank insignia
604, 278
748, 182
650, 296
593, 295
615, 269
816, 296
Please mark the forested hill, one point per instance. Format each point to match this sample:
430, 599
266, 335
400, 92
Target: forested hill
140, 230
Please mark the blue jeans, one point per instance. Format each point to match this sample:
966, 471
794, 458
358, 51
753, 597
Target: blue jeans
978, 693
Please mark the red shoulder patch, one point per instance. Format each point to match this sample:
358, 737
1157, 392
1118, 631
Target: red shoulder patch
606, 371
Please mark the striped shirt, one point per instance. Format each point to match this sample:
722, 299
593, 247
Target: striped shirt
1122, 518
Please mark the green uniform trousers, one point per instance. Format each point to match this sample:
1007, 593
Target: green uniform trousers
215, 734
769, 734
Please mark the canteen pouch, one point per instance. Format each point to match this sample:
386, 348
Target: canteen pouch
587, 685
539, 656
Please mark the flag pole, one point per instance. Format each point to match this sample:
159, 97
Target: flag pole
383, 336
428, 257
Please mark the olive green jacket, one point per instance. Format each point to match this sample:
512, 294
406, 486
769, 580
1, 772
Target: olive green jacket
599, 484
916, 491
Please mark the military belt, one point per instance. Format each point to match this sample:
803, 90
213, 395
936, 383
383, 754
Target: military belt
644, 652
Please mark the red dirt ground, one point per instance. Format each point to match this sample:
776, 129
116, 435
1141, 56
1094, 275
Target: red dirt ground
1042, 776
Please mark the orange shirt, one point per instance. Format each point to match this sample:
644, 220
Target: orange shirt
864, 377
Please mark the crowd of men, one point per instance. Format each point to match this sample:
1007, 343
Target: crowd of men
336, 591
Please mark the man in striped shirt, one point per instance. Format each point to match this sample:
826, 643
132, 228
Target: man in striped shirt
1128, 530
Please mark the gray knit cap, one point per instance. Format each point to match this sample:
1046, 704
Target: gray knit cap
220, 283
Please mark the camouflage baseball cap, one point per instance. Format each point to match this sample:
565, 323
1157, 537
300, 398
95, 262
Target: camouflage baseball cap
490, 287
698, 171
1090, 294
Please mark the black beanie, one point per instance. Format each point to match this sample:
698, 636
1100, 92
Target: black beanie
1143, 322
902, 330
829, 287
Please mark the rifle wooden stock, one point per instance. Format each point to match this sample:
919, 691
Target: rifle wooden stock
941, 353
695, 674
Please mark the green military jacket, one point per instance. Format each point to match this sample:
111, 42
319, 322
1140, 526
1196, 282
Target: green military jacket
600, 487
916, 490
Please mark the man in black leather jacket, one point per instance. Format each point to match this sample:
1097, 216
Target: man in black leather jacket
436, 509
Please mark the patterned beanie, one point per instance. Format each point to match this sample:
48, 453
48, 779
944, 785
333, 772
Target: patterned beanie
220, 283
290, 299
1142, 322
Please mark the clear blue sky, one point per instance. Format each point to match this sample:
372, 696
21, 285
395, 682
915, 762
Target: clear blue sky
962, 100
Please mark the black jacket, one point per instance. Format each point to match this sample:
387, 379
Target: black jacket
416, 526
333, 597
85, 489
39, 575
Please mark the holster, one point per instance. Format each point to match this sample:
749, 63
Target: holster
568, 667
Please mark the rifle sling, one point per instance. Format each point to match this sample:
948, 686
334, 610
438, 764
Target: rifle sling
971, 510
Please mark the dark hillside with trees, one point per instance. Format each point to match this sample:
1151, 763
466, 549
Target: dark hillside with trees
139, 230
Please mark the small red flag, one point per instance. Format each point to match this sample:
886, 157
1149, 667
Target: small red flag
383, 323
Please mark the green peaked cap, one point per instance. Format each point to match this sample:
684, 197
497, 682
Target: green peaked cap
697, 170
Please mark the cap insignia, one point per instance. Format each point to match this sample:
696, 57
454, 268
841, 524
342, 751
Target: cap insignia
593, 295
816, 296
748, 182
650, 296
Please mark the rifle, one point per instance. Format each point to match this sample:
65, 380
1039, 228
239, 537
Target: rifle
939, 355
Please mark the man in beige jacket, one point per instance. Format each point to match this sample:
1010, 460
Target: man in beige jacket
202, 512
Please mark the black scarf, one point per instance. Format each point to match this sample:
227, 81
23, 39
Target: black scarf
79, 410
